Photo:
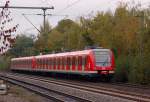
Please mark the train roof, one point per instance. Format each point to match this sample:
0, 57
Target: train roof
83, 52
22, 58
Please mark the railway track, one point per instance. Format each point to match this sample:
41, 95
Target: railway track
130, 85
43, 91
92, 89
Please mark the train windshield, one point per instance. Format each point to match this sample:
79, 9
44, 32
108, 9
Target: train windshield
102, 58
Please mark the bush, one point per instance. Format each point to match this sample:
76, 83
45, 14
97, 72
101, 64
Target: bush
140, 72
4, 63
122, 67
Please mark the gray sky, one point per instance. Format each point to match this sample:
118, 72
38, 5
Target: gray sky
79, 8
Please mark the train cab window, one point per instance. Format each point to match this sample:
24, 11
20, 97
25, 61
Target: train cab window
102, 58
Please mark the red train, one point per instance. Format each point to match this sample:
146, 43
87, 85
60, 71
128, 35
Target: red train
92, 62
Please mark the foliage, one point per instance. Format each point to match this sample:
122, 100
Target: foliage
41, 44
4, 63
22, 47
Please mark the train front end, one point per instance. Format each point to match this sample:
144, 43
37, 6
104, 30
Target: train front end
104, 62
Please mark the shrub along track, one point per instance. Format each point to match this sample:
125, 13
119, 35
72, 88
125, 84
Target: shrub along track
80, 86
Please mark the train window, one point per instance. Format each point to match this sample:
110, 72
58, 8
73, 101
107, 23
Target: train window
60, 62
45, 63
28, 61
68, 61
84, 60
39, 61
25, 63
56, 63
42, 61
63, 62
80, 60
76, 61
73, 60
52, 61
49, 61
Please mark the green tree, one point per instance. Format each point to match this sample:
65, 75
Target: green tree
42, 38
23, 46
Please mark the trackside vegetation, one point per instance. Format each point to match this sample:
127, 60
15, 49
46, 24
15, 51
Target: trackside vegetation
126, 31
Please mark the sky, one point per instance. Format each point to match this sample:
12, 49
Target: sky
74, 9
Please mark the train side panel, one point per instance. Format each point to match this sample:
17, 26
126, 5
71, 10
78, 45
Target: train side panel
80, 62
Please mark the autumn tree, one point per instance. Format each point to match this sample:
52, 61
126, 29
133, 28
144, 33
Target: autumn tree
42, 38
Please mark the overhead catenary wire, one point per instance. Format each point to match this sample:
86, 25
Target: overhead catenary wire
31, 23
68, 6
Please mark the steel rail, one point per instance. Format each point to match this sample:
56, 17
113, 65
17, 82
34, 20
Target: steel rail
19, 82
126, 95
